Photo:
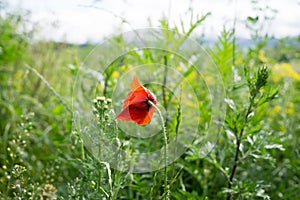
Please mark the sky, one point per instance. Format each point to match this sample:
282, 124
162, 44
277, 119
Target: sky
81, 21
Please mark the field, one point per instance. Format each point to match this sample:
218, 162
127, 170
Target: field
225, 122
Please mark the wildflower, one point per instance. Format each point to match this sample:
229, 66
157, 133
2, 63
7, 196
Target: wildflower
123, 67
179, 68
115, 74
276, 109
284, 70
129, 66
101, 107
209, 79
290, 109
100, 99
282, 128
262, 57
136, 106
99, 86
49, 191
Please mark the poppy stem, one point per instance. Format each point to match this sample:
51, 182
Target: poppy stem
167, 189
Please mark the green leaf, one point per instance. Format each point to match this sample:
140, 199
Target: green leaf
230, 103
252, 19
275, 146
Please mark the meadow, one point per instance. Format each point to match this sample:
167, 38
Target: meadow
229, 113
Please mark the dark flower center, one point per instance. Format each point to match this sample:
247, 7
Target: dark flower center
148, 102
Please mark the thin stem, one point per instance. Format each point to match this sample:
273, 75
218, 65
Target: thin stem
82, 150
165, 82
153, 185
50, 87
105, 86
239, 137
167, 191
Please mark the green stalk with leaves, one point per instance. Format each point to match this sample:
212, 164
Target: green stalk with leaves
239, 122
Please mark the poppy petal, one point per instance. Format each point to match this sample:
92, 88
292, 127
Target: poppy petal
151, 96
124, 115
135, 83
136, 106
135, 98
139, 99
140, 116
148, 118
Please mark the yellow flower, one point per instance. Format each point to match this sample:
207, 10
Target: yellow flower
292, 73
179, 68
290, 108
284, 70
209, 79
115, 74
123, 67
99, 86
290, 111
290, 104
276, 109
282, 128
192, 75
19, 74
262, 57
239, 60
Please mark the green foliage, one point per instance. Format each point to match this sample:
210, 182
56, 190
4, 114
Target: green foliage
246, 123
223, 54
12, 41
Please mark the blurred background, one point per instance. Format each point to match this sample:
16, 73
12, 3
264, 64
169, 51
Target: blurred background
82, 21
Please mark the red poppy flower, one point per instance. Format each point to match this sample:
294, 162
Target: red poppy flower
136, 106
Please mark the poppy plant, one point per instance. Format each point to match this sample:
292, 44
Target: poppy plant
136, 106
